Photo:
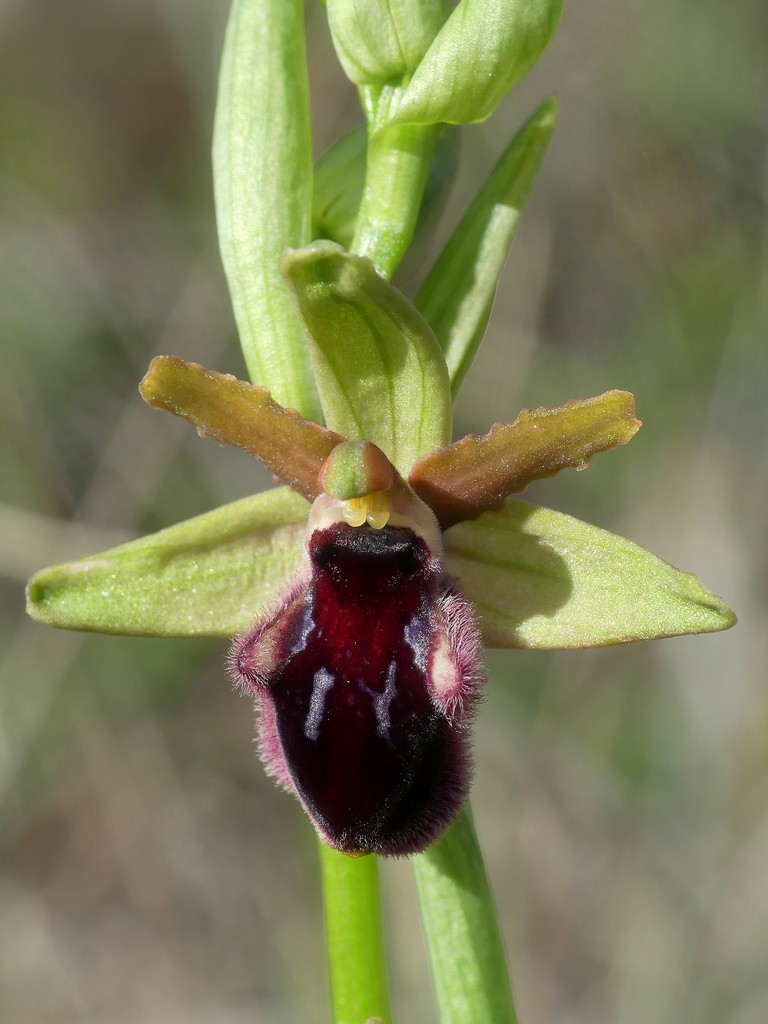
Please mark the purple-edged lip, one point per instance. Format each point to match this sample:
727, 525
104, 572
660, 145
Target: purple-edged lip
366, 678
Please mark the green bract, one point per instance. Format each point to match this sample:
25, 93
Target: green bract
457, 295
466, 952
263, 177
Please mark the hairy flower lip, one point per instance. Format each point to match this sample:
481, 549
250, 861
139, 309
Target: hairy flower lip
366, 676
366, 673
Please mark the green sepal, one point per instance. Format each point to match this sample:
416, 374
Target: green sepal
476, 473
262, 163
458, 293
542, 579
379, 369
482, 50
232, 411
208, 576
377, 41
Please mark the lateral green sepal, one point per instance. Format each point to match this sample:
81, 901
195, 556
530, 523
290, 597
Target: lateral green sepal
207, 576
542, 579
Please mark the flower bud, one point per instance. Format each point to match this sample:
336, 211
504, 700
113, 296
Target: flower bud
482, 50
380, 40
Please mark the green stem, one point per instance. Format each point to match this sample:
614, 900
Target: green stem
354, 937
397, 167
466, 950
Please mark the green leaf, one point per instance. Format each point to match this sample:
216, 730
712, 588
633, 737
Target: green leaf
338, 190
208, 576
232, 411
377, 41
466, 950
354, 937
541, 579
483, 49
458, 293
262, 161
476, 473
379, 368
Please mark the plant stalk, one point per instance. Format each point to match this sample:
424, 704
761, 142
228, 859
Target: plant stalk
397, 167
354, 937
466, 949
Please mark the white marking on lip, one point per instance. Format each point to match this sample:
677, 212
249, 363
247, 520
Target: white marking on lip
416, 638
444, 674
322, 684
382, 701
306, 625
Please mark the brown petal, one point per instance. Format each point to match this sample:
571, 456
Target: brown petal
232, 411
475, 474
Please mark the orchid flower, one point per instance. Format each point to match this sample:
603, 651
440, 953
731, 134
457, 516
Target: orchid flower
362, 590
362, 617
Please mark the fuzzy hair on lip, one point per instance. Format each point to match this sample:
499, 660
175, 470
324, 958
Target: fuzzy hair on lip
366, 675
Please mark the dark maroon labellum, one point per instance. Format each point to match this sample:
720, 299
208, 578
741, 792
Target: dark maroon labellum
366, 676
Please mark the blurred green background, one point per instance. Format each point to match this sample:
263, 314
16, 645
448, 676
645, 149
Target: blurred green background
150, 873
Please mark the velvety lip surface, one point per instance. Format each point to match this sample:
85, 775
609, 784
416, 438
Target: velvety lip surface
366, 747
